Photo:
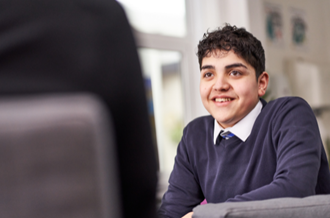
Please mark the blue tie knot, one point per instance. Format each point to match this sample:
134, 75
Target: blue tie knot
227, 135
223, 135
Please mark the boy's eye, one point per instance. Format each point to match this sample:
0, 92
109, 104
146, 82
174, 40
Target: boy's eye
235, 73
207, 74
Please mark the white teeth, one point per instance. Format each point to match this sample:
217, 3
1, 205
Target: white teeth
222, 99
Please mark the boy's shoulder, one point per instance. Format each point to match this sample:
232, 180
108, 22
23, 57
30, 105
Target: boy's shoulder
290, 101
202, 122
198, 129
286, 107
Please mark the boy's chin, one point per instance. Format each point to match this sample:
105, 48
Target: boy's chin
224, 123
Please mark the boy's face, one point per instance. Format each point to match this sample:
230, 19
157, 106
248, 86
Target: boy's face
229, 88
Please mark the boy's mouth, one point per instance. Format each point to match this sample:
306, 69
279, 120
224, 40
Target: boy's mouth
222, 99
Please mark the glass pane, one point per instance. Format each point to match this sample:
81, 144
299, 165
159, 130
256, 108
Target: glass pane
162, 76
166, 17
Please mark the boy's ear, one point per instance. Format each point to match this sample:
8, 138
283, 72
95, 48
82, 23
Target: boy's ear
262, 83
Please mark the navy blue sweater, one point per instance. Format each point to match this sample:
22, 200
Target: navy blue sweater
282, 157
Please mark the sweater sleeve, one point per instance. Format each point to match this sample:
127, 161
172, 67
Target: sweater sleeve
296, 139
184, 192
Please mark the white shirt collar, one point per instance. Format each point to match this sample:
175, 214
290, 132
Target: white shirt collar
242, 129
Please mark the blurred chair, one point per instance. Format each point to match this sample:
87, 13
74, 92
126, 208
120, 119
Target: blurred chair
317, 206
57, 158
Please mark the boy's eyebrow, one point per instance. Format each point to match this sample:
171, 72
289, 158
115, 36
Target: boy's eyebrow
235, 65
227, 67
207, 67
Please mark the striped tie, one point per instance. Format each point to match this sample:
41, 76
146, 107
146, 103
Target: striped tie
227, 135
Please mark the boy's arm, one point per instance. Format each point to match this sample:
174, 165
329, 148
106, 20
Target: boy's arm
184, 192
299, 151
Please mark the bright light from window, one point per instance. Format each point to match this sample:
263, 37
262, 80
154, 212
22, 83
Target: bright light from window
161, 70
166, 17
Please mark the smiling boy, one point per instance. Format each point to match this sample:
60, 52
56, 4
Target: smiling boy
247, 149
229, 88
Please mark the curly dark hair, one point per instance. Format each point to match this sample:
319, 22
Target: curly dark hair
243, 43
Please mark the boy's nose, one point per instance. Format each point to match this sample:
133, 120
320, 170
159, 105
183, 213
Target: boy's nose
221, 84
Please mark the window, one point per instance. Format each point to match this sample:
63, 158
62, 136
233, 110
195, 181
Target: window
165, 17
167, 48
162, 74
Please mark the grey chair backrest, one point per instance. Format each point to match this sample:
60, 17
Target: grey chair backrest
57, 158
316, 206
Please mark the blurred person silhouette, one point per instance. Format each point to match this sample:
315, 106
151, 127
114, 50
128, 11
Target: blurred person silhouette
72, 46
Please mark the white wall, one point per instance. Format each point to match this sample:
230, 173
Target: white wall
250, 14
326, 18
317, 50
318, 43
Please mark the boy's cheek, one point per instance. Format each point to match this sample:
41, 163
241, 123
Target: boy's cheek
203, 93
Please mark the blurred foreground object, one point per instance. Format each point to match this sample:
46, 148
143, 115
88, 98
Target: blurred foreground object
75, 46
57, 158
